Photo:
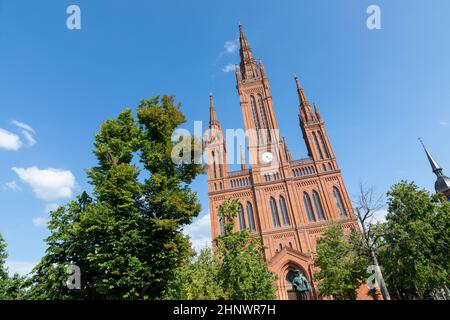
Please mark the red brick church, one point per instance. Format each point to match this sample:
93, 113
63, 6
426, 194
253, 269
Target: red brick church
286, 202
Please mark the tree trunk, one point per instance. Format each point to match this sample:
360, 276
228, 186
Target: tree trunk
447, 293
380, 279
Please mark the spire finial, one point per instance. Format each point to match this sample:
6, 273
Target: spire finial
286, 150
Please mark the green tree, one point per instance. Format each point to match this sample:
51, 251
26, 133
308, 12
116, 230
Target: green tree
235, 271
3, 257
126, 239
342, 263
243, 273
414, 242
11, 288
196, 279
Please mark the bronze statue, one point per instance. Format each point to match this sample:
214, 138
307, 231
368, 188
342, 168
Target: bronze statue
301, 285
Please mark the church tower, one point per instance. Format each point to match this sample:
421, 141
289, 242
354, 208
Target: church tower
285, 202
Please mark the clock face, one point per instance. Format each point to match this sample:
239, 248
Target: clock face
267, 157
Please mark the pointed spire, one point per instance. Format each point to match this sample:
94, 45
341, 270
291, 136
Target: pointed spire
243, 165
442, 184
286, 150
301, 95
238, 73
249, 67
305, 107
262, 69
212, 112
434, 165
316, 111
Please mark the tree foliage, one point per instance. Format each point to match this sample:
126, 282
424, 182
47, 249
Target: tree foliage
126, 238
11, 288
3, 256
243, 273
342, 262
197, 279
414, 242
235, 271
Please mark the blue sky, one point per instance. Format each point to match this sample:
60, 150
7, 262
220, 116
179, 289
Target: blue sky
378, 90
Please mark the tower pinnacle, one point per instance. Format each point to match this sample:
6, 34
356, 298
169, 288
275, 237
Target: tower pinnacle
305, 107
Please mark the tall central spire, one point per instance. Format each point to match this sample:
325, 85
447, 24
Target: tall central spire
249, 67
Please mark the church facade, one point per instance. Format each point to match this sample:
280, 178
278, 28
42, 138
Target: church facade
285, 202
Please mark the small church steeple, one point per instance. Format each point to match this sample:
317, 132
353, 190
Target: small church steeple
434, 165
442, 184
313, 129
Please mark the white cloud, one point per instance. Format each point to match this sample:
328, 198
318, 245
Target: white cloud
31, 141
23, 126
9, 141
199, 232
48, 184
228, 68
40, 222
27, 131
12, 185
21, 267
443, 123
231, 46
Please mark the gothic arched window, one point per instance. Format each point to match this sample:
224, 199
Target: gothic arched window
317, 145
308, 207
214, 164
318, 206
250, 217
275, 217
339, 203
254, 113
221, 224
324, 146
263, 113
283, 209
241, 218
220, 171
